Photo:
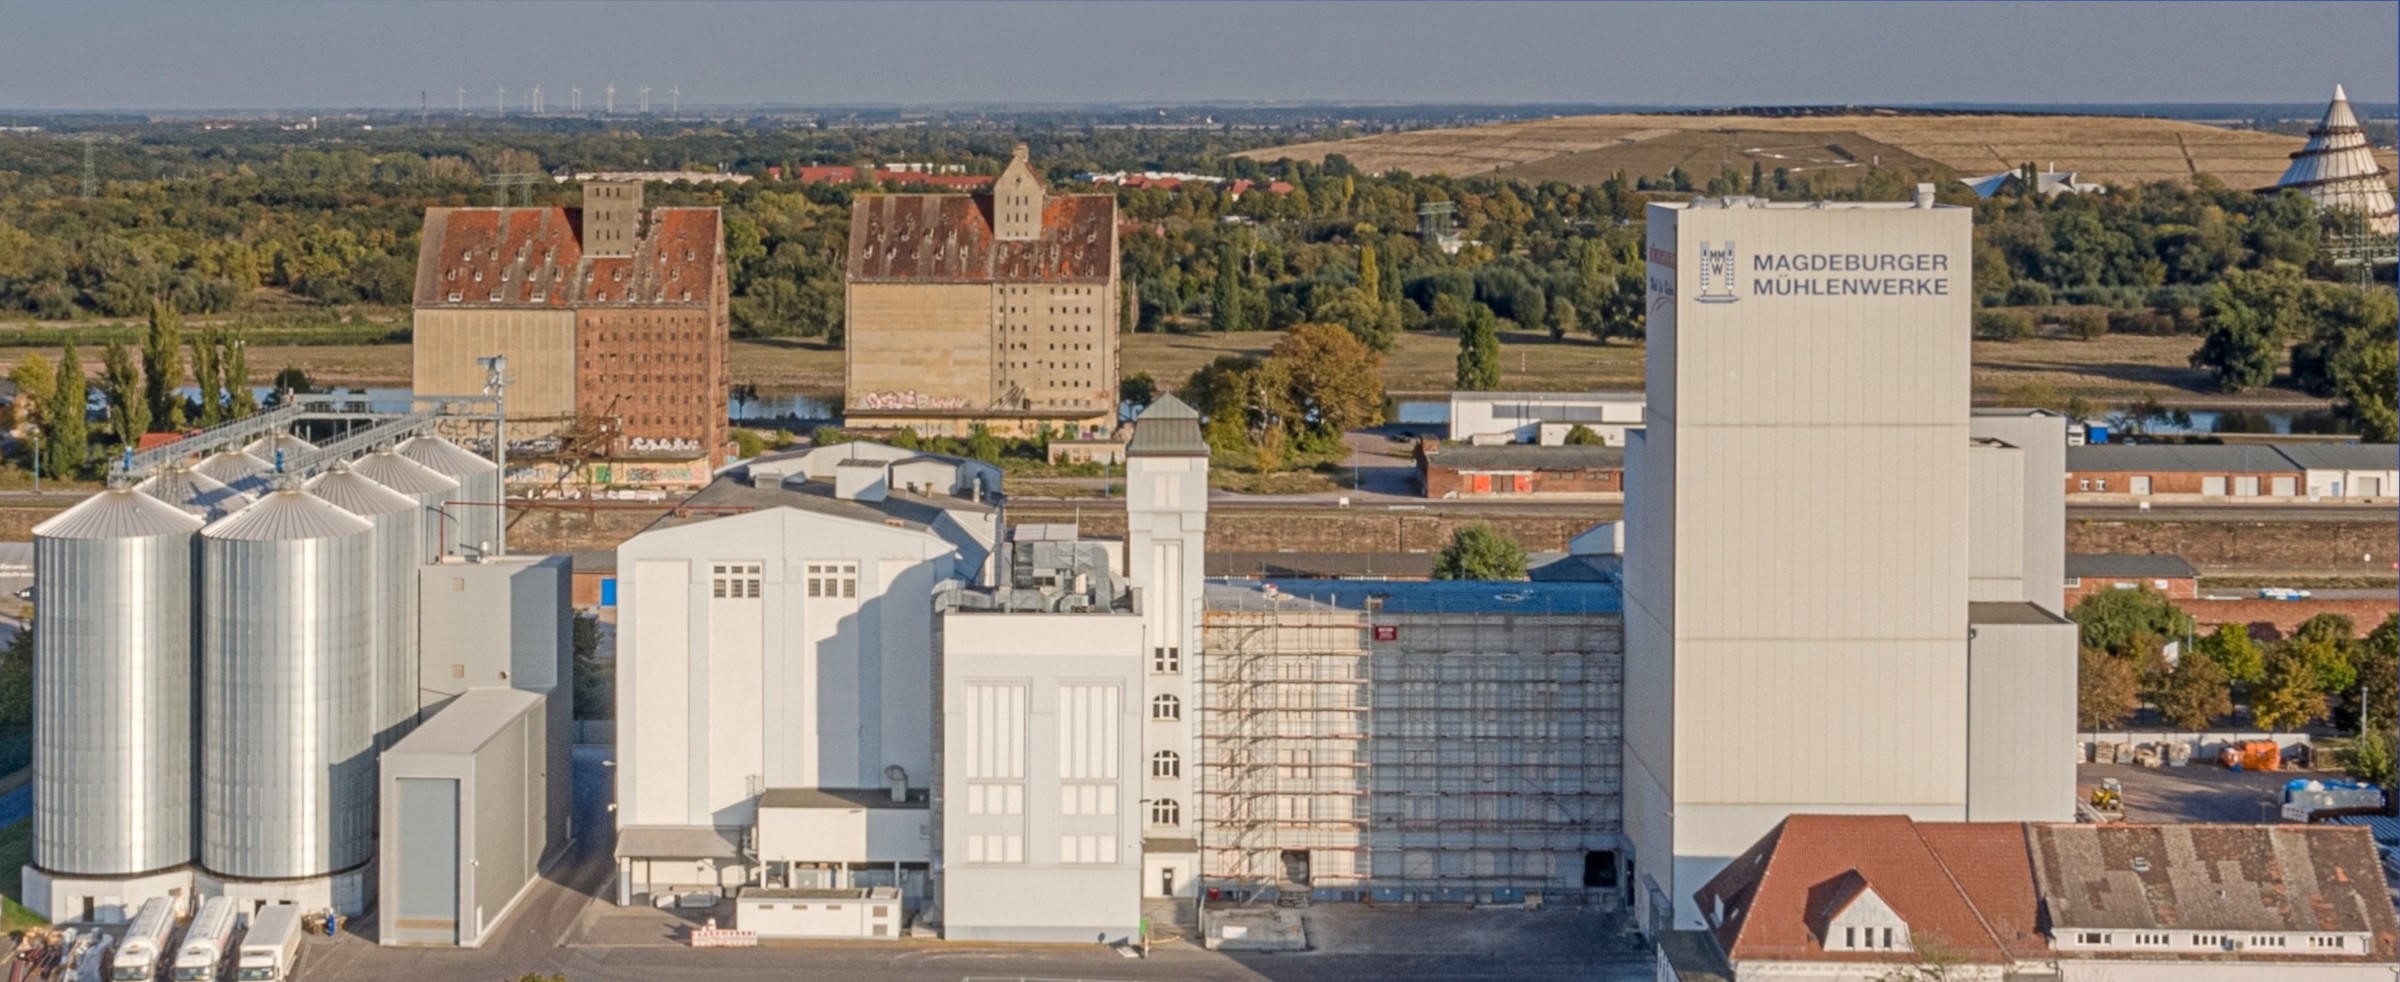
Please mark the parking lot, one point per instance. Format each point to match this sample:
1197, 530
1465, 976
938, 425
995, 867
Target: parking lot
2198, 792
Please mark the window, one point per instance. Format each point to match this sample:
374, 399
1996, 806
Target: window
1087, 848
1849, 937
1167, 660
2150, 939
2267, 941
832, 579
2083, 485
1165, 812
2091, 937
2074, 581
2101, 484
1166, 707
1166, 764
734, 581
2333, 942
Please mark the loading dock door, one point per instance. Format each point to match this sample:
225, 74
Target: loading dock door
427, 898
2370, 487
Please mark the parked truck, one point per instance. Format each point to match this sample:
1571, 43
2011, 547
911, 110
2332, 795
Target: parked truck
205, 941
272, 945
2307, 800
143, 954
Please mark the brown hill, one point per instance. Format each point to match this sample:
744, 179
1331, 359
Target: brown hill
1586, 149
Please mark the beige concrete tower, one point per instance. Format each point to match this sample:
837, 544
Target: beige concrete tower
1017, 201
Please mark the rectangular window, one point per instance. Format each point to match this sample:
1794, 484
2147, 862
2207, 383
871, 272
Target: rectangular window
734, 581
2083, 485
1166, 660
1849, 937
839, 580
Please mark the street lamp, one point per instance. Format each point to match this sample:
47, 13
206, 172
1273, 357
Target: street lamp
35, 429
495, 384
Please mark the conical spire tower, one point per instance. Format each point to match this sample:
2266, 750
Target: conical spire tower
2338, 170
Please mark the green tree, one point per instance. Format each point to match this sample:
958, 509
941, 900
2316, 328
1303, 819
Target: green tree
162, 368
2235, 654
1226, 309
2194, 694
2289, 697
982, 445
121, 385
1323, 379
16, 678
208, 378
2328, 662
240, 402
2106, 691
2374, 757
1563, 320
1138, 391
748, 443
1477, 551
2366, 381
34, 379
2003, 325
595, 677
1479, 351
2377, 657
67, 444
2250, 316
2112, 619
1583, 436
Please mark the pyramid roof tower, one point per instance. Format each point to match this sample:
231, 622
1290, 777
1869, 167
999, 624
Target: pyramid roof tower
2338, 170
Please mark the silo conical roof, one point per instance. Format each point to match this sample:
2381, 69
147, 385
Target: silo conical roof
352, 492
287, 515
390, 469
264, 447
445, 457
118, 513
177, 484
231, 466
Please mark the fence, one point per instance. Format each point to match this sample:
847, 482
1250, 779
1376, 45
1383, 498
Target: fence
2205, 744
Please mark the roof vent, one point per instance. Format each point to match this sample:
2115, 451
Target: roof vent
2141, 865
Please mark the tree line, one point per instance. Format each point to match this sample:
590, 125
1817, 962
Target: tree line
139, 391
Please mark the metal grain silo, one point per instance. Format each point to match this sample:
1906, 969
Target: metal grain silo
179, 485
112, 687
236, 470
265, 448
433, 493
287, 690
391, 589
477, 507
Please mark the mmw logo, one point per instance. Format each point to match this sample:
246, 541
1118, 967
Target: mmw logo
1716, 274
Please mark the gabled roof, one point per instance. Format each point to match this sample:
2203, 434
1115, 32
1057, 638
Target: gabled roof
1169, 428
1772, 902
2200, 457
2233, 878
947, 238
2342, 456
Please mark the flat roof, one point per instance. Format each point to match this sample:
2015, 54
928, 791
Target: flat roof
679, 842
839, 798
1559, 567
1743, 202
2010, 613
1429, 597
2165, 565
468, 722
2206, 457
1608, 396
784, 893
1526, 456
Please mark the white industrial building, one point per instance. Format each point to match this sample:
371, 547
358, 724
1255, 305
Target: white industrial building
1544, 418
1828, 600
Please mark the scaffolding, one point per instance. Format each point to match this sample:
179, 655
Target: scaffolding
1470, 756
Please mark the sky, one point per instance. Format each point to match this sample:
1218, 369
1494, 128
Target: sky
204, 54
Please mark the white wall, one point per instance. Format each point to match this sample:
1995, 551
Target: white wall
2040, 437
845, 835
1061, 738
721, 697
1996, 523
2021, 723
1541, 417
1165, 549
2114, 970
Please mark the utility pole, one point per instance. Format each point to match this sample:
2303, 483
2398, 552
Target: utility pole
495, 384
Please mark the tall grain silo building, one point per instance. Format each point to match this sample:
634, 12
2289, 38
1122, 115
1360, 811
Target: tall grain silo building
1827, 601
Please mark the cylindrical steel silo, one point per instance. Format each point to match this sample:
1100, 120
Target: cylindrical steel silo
477, 507
391, 588
265, 448
112, 687
179, 485
433, 493
236, 470
287, 690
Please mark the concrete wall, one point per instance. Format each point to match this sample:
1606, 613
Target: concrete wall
1751, 314
2040, 437
1996, 537
933, 340
845, 835
2021, 745
796, 914
540, 345
720, 696
1031, 769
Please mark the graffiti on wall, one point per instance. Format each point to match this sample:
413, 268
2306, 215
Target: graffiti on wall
906, 400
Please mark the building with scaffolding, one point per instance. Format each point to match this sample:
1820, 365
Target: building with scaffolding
1451, 742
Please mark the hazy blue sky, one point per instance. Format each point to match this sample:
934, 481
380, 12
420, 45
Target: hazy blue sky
118, 54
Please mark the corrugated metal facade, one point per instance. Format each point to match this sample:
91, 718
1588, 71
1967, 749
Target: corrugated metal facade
391, 584
475, 512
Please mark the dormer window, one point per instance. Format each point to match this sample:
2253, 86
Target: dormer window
1859, 920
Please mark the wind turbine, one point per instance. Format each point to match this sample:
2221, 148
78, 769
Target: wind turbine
612, 98
462, 100
575, 98
501, 100
675, 95
645, 100
537, 100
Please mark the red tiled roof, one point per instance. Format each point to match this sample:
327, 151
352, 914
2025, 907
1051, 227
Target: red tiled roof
948, 238
1991, 864
1777, 895
533, 257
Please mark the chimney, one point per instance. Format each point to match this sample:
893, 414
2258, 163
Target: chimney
1924, 195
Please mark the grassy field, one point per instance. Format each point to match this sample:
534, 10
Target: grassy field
16, 849
2117, 366
2113, 149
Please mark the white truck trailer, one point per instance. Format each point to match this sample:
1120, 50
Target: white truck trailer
205, 942
142, 956
271, 946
